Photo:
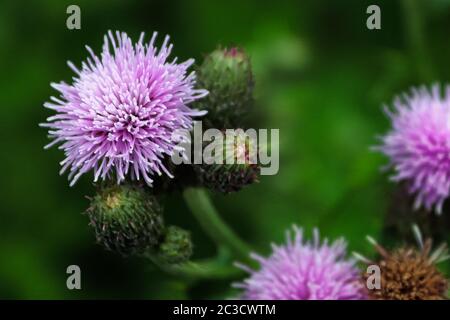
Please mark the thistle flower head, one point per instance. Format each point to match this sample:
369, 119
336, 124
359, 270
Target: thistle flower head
176, 246
227, 74
119, 114
126, 219
409, 273
234, 164
304, 270
418, 145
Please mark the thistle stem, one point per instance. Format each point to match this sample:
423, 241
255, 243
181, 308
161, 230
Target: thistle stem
208, 269
218, 267
200, 204
415, 33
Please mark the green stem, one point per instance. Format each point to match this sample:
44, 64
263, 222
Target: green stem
414, 28
219, 267
203, 270
200, 204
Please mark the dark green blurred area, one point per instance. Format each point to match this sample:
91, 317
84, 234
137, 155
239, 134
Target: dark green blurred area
321, 78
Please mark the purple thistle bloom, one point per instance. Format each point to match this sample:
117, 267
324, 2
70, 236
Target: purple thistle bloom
304, 270
418, 145
122, 110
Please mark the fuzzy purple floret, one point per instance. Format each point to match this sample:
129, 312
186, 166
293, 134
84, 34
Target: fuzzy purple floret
119, 115
418, 145
304, 270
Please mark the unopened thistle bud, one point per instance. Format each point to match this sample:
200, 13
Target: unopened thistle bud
126, 219
408, 273
176, 246
227, 75
233, 164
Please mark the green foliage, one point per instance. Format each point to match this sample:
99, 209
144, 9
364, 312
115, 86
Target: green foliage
320, 77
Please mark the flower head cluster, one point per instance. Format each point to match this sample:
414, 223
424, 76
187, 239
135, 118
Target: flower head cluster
304, 270
121, 111
418, 145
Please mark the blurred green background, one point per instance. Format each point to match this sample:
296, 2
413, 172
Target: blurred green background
321, 78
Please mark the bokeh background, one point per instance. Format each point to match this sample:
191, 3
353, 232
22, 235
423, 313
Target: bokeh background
321, 78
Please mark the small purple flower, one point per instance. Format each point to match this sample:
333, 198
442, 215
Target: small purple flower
418, 145
304, 270
120, 114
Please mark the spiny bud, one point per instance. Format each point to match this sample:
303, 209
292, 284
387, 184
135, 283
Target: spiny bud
126, 219
232, 165
227, 75
408, 273
176, 246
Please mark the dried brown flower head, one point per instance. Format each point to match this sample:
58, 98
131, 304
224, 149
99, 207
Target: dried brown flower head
409, 273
